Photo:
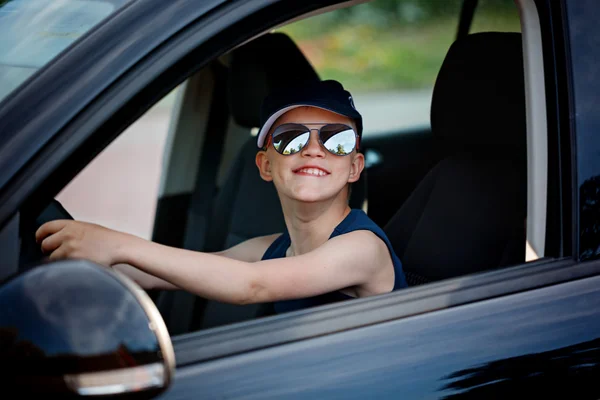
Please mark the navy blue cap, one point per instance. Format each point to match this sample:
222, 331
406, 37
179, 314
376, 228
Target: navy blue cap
329, 95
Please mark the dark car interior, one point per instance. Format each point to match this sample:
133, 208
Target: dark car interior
451, 198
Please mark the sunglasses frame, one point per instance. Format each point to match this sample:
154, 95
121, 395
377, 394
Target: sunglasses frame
306, 125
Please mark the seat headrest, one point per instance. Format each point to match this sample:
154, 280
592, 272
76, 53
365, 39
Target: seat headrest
269, 62
479, 95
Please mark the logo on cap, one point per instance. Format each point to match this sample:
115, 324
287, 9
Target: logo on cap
351, 102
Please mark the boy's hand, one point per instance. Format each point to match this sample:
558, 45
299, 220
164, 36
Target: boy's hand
62, 239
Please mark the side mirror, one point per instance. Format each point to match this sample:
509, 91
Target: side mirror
77, 329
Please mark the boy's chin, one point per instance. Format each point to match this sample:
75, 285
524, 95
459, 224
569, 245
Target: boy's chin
313, 197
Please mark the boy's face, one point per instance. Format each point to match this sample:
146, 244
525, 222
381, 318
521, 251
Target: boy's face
313, 173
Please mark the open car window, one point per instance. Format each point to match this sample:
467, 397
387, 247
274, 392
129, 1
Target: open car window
119, 188
391, 65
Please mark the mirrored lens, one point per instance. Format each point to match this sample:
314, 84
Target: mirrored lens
338, 139
290, 138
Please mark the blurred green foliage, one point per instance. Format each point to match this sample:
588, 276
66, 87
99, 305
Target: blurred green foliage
391, 44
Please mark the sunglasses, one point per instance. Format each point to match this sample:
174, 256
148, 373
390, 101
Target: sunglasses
338, 139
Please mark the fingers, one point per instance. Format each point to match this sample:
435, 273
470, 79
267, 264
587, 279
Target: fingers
51, 243
67, 239
60, 249
49, 228
58, 254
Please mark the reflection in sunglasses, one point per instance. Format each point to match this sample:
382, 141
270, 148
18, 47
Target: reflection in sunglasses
338, 139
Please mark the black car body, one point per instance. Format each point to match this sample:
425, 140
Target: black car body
526, 330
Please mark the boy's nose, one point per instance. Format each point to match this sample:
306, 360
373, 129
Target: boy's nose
313, 147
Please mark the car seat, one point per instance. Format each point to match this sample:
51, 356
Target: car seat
468, 213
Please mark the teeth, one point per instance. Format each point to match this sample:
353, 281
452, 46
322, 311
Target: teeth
312, 171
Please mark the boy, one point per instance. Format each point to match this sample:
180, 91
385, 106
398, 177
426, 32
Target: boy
308, 147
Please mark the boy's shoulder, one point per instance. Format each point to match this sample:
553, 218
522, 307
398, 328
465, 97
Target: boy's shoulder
357, 219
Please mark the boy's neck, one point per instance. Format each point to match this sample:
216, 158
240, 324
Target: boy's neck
311, 225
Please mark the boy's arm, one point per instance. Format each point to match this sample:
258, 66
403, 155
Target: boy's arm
250, 250
348, 260
145, 280
354, 259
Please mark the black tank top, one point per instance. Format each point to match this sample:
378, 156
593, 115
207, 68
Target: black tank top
355, 220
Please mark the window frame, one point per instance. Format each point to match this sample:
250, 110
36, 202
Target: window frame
537, 127
157, 74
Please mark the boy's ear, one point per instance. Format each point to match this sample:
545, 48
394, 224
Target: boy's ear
356, 168
264, 165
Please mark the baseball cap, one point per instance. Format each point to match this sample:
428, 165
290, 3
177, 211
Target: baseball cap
328, 94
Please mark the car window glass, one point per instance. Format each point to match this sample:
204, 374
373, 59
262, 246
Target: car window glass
584, 36
33, 32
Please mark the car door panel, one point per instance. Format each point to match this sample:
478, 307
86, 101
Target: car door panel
541, 342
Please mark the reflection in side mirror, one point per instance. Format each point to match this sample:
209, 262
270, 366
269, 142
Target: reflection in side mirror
77, 329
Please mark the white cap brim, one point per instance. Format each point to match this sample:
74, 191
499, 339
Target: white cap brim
262, 134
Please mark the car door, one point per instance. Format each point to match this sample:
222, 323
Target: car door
530, 330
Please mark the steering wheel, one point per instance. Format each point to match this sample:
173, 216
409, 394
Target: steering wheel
31, 252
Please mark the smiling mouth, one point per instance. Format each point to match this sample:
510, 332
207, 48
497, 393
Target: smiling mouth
311, 172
